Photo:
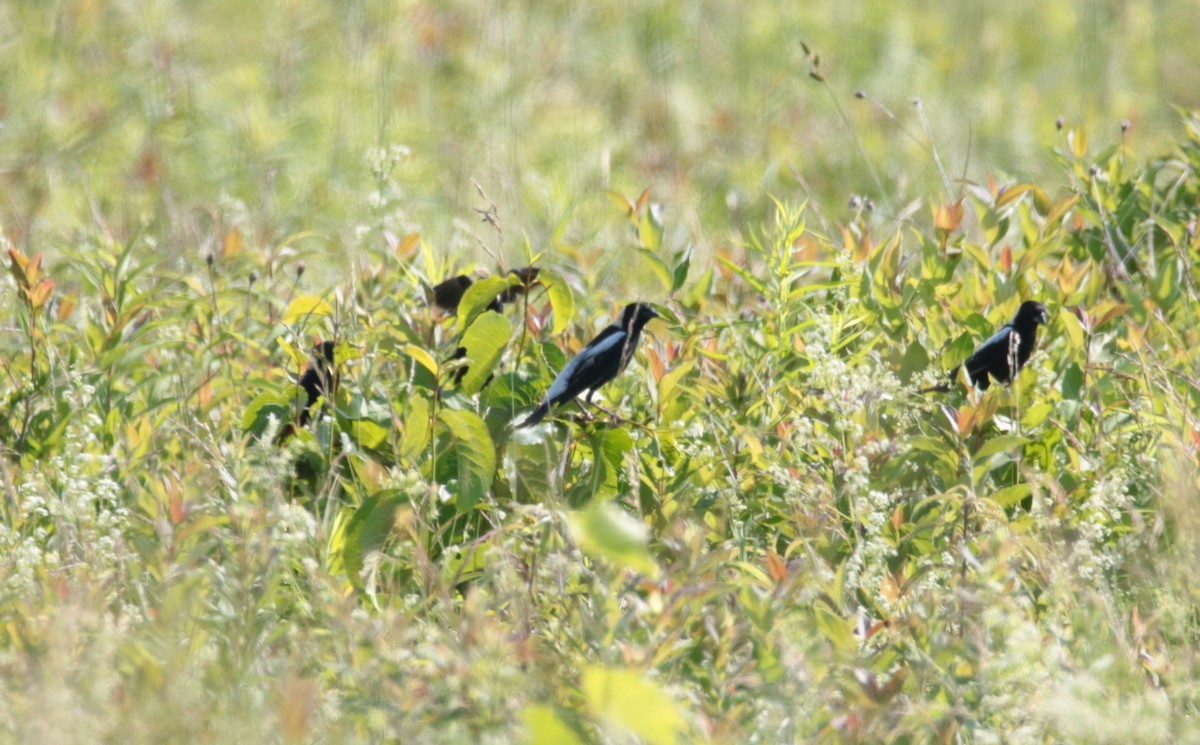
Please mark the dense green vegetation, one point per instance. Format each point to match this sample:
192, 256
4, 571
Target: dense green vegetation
765, 533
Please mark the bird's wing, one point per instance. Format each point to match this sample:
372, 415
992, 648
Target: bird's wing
992, 352
581, 372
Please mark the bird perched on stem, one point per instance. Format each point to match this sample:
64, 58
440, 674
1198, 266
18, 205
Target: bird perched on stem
318, 380
1006, 351
598, 362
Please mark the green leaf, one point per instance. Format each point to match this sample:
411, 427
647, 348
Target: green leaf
604, 530
257, 415
475, 454
306, 306
650, 228
562, 300
916, 359
680, 274
1011, 495
416, 428
544, 727
999, 445
485, 342
367, 433
477, 298
658, 268
958, 351
1072, 382
623, 698
366, 531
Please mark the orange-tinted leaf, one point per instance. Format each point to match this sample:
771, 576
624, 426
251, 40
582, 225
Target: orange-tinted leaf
232, 244
776, 566
948, 217
40, 294
408, 244
656, 364
1006, 258
66, 306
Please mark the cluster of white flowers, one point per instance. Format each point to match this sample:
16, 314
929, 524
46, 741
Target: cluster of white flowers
1093, 551
381, 160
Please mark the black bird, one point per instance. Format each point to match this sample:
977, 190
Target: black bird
317, 381
448, 294
994, 357
598, 362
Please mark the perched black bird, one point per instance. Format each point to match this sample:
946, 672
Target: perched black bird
598, 362
448, 294
317, 381
994, 357
527, 275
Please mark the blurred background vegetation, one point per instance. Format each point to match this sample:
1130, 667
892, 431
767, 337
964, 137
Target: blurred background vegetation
186, 118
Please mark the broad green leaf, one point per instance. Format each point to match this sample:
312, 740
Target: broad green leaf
604, 530
1000, 444
475, 454
305, 307
477, 298
958, 351
416, 427
562, 300
544, 727
485, 342
916, 359
621, 697
1072, 382
367, 530
256, 417
1011, 495
367, 433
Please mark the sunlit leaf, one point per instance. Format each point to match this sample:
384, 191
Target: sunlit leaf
306, 307
477, 298
485, 342
475, 454
562, 300
416, 427
625, 699
544, 727
604, 530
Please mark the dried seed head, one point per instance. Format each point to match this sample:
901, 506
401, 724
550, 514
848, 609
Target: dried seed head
300, 270
209, 259
860, 94
1058, 123
1125, 125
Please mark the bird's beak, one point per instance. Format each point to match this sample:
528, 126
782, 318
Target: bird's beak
1044, 318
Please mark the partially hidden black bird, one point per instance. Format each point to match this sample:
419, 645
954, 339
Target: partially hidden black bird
993, 359
449, 293
598, 362
318, 379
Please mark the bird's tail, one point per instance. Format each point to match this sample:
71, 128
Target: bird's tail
538, 414
944, 387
